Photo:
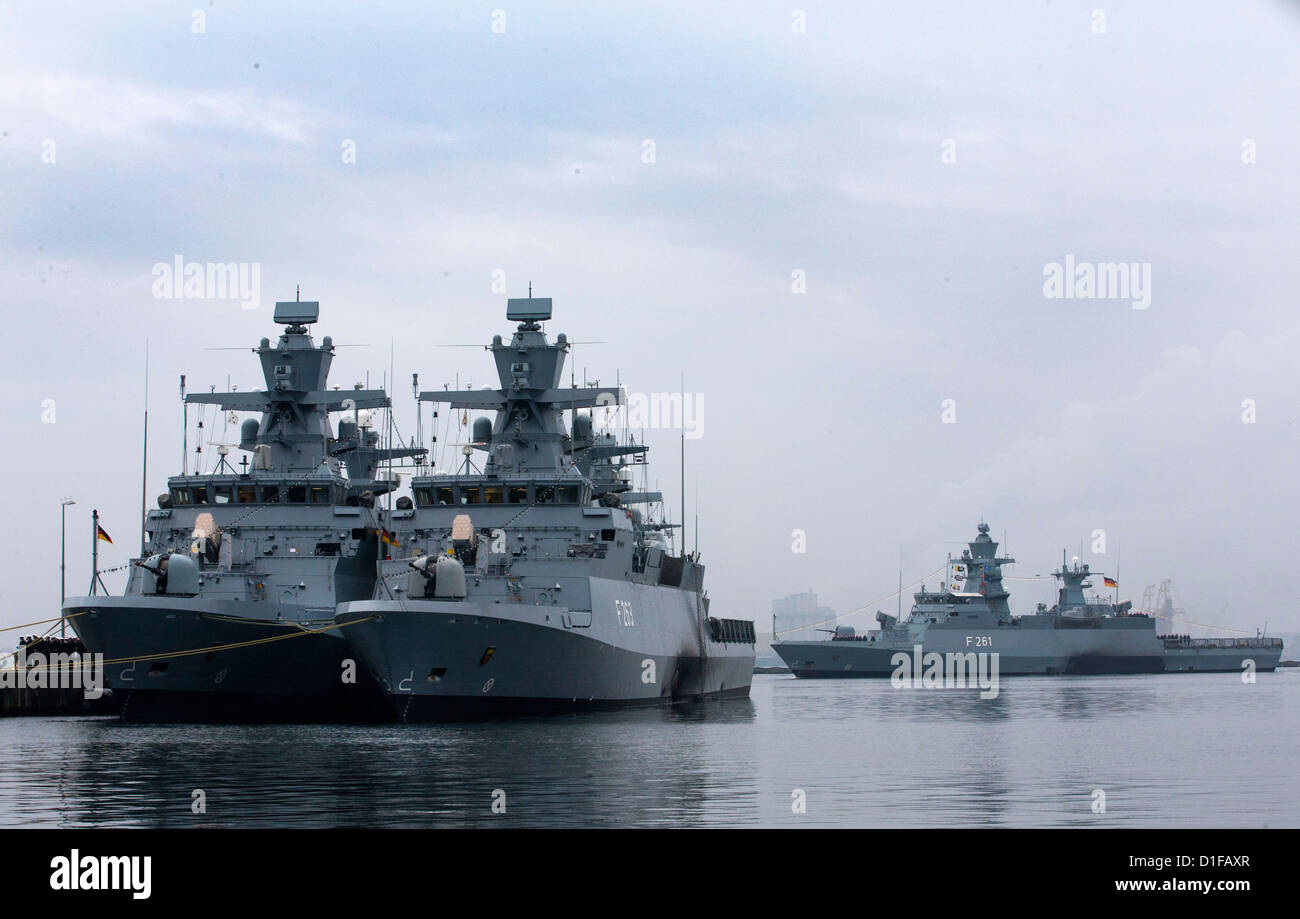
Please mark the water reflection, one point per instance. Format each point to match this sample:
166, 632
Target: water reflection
548, 771
1178, 750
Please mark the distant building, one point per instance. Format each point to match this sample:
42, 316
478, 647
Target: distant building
800, 611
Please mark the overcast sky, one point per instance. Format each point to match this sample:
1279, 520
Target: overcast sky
921, 169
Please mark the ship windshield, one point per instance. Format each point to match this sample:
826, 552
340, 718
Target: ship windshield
440, 495
245, 493
514, 493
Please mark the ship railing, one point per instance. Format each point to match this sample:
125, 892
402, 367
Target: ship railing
739, 631
1180, 641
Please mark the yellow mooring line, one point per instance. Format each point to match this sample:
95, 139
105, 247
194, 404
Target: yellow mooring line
27, 625
211, 649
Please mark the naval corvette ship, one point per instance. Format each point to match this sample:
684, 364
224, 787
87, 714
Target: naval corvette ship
970, 614
541, 582
230, 613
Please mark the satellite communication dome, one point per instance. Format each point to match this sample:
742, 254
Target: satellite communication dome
581, 425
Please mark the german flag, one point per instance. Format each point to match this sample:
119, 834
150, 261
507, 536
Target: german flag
389, 539
100, 534
1110, 582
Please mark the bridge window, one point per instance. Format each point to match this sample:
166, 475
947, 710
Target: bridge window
469, 495
221, 494
423, 496
492, 494
443, 494
545, 494
199, 494
320, 494
518, 494
567, 494
180, 496
269, 494
297, 494
246, 494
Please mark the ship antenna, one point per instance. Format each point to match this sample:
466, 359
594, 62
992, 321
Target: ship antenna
144, 453
392, 372
185, 430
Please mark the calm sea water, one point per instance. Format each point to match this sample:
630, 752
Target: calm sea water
1179, 750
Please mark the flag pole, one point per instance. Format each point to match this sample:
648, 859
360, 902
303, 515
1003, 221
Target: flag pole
94, 549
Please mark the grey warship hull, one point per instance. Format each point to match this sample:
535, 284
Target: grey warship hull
438, 660
1030, 653
1129, 646
195, 659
